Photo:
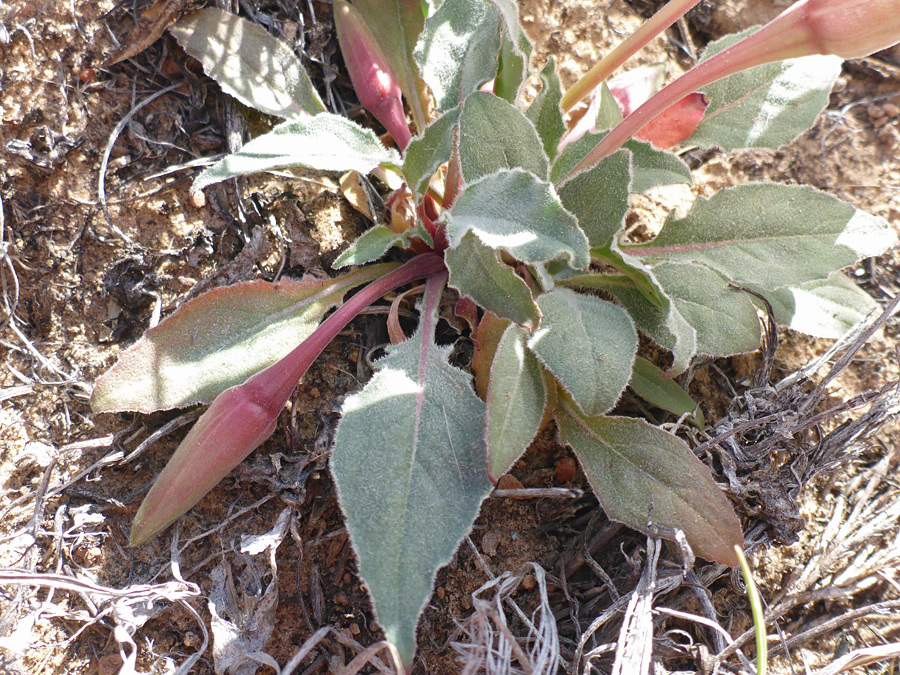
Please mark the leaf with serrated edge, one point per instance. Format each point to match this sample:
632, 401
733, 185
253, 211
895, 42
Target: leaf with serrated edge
598, 197
801, 234
255, 67
425, 153
325, 142
218, 340
766, 106
496, 135
457, 51
545, 113
643, 475
396, 25
409, 466
371, 245
588, 344
650, 167
477, 273
516, 399
517, 212
825, 308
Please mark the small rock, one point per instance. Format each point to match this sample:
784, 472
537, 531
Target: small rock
489, 543
566, 469
509, 482
529, 582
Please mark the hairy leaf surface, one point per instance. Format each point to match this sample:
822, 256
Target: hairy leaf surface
643, 475
477, 273
496, 135
425, 153
588, 344
517, 212
545, 113
325, 142
255, 67
770, 235
766, 106
457, 51
598, 197
652, 385
409, 465
515, 401
218, 340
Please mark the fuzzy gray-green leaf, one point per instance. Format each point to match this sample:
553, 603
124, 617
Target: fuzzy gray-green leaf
427, 152
495, 135
598, 197
588, 344
255, 67
515, 401
766, 106
545, 113
457, 51
652, 385
325, 142
409, 465
770, 235
477, 273
514, 211
641, 474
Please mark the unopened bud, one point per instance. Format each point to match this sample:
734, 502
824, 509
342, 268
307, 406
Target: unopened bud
373, 80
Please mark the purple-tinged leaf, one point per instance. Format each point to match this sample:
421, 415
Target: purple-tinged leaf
220, 339
645, 477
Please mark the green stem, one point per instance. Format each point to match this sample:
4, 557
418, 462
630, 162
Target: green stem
655, 25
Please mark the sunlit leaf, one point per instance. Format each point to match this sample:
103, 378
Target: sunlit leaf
545, 113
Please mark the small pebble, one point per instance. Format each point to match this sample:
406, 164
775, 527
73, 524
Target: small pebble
529, 582
509, 482
354, 628
489, 543
441, 592
566, 470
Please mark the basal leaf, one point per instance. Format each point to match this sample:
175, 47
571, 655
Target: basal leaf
509, 12
514, 211
371, 245
650, 167
409, 465
477, 273
425, 153
486, 337
588, 344
255, 67
325, 142
218, 340
801, 234
511, 72
643, 475
652, 385
545, 113
766, 106
457, 51
396, 25
496, 135
516, 399
598, 197
825, 308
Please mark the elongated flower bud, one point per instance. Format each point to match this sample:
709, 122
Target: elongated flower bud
846, 28
373, 80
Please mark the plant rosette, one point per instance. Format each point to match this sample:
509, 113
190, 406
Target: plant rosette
522, 218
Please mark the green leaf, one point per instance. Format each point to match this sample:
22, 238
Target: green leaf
509, 12
477, 272
516, 399
409, 465
588, 344
724, 319
650, 167
372, 244
457, 51
496, 135
643, 475
545, 113
608, 112
770, 235
325, 142
220, 339
652, 385
396, 25
514, 211
425, 153
256, 68
511, 72
825, 308
598, 197
766, 106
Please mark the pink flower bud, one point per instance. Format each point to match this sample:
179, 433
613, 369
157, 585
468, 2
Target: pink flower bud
373, 80
847, 28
